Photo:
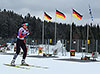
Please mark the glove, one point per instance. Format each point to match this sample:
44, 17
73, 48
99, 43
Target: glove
27, 33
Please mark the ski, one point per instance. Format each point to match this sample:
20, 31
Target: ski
17, 66
35, 66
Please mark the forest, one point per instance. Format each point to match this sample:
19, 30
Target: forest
10, 22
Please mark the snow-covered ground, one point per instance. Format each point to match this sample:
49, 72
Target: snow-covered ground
54, 66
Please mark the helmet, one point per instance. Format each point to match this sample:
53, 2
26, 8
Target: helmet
24, 23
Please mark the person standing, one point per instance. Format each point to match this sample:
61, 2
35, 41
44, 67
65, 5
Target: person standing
22, 34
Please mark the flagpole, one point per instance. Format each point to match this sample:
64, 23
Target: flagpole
56, 24
88, 26
71, 30
55, 29
43, 31
91, 15
87, 36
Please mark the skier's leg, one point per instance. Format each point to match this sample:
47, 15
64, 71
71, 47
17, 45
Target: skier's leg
17, 52
25, 52
17, 49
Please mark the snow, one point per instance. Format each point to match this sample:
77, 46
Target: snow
54, 66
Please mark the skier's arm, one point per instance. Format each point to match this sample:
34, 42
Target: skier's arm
27, 30
20, 34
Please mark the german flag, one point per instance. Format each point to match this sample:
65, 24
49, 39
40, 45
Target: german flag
60, 14
46, 16
77, 15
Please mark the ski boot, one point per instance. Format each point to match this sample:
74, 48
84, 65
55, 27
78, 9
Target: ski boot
23, 63
13, 62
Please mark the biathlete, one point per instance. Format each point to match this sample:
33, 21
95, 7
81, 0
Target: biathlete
22, 33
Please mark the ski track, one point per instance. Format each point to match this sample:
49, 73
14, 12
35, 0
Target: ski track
54, 66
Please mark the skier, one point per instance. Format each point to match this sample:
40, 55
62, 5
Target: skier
22, 33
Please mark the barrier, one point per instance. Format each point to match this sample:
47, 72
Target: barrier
40, 50
72, 52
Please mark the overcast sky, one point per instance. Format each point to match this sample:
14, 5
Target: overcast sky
37, 7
